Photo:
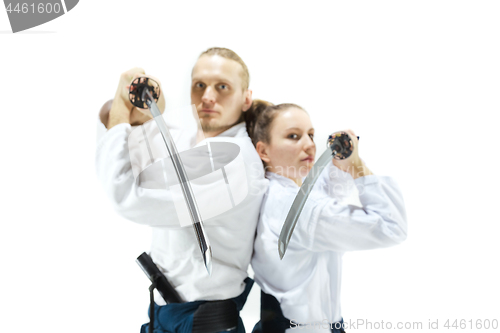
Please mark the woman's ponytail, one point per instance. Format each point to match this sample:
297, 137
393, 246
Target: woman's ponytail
252, 115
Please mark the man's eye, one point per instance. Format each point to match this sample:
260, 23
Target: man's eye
311, 136
199, 85
293, 136
223, 86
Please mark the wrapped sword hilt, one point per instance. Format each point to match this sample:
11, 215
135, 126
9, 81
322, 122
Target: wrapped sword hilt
341, 145
137, 91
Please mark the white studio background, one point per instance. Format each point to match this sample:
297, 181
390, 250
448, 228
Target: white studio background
419, 81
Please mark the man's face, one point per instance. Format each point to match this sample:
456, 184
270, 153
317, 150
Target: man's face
217, 91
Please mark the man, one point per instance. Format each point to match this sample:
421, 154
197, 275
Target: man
220, 93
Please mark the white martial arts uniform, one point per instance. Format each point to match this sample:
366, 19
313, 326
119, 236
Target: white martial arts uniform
307, 281
174, 248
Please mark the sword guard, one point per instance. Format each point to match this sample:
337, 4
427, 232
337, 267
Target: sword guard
137, 88
341, 145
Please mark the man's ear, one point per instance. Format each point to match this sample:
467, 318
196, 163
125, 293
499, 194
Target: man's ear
261, 148
248, 100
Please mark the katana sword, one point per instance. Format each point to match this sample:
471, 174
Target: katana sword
339, 146
143, 93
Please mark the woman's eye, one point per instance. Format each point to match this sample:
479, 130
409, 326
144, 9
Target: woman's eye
311, 136
293, 136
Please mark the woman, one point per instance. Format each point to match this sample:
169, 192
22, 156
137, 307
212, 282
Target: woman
303, 290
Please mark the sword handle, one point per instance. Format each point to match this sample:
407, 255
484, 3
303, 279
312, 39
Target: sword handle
136, 91
341, 145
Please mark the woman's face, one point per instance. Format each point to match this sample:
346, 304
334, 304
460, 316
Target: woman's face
291, 149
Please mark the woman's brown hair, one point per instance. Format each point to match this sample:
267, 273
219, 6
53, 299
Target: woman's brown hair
260, 117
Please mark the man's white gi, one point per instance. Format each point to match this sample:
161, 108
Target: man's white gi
174, 248
307, 281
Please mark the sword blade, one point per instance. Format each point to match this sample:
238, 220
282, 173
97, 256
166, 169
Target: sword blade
203, 242
300, 200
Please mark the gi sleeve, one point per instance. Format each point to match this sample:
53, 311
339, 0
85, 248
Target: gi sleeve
337, 184
153, 207
328, 225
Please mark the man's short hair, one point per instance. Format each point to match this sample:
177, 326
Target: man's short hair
230, 54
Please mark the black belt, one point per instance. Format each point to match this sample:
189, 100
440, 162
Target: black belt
209, 317
272, 319
215, 316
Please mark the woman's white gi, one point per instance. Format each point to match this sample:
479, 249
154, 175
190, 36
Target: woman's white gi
307, 281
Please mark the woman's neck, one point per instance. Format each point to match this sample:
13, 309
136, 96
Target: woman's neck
297, 181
